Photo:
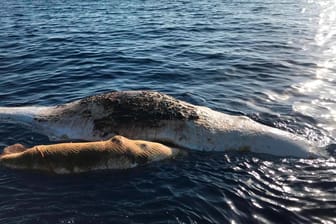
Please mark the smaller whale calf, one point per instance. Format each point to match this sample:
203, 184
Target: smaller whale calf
116, 153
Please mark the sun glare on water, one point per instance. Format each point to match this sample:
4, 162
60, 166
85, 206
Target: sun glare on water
314, 95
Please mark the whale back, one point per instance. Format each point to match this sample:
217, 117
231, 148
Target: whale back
141, 107
126, 113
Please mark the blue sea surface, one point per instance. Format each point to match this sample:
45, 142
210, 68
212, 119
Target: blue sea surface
274, 61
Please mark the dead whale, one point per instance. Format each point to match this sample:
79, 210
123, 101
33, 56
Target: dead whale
157, 117
116, 153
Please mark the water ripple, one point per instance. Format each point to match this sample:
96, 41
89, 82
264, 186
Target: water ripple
272, 61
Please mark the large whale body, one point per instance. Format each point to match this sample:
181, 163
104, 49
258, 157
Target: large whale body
157, 117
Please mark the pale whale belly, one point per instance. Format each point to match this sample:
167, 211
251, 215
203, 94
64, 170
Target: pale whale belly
157, 117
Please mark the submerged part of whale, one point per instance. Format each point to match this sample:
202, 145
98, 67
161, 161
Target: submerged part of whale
154, 116
116, 153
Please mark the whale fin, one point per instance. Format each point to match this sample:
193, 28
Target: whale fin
13, 149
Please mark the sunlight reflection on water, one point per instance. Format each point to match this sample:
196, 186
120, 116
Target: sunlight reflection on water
315, 96
260, 58
321, 90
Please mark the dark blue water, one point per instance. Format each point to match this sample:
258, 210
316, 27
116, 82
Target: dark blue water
274, 61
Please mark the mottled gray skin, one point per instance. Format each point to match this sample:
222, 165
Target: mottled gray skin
119, 113
143, 107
